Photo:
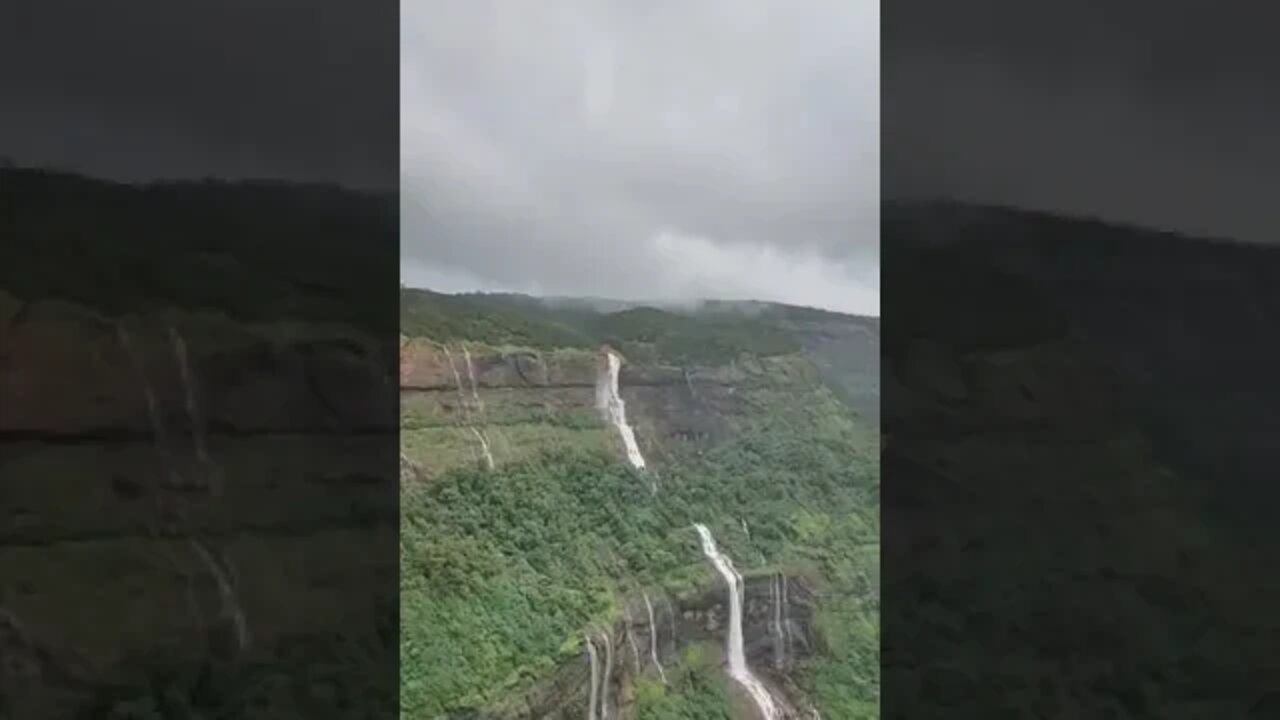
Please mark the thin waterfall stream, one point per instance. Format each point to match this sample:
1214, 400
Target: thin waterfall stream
738, 668
609, 401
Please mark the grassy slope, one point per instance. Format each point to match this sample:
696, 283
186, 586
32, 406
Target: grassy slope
501, 574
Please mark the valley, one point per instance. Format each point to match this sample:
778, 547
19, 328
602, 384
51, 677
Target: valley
756, 423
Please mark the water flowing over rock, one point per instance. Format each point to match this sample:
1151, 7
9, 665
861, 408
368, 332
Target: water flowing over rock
653, 640
595, 680
484, 446
738, 668
776, 623
631, 639
609, 401
485, 452
604, 680
471, 376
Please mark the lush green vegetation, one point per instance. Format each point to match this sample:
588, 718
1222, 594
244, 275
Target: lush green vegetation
694, 690
501, 571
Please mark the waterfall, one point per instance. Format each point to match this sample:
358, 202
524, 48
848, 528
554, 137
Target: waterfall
631, 638
457, 379
229, 603
188, 384
653, 639
223, 577
462, 400
604, 681
595, 679
484, 446
775, 623
745, 530
609, 401
786, 619
471, 375
738, 669
148, 394
671, 618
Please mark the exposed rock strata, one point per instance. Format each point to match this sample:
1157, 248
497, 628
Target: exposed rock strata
700, 617
111, 488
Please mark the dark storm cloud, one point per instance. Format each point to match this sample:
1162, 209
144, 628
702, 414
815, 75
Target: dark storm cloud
1155, 113
297, 89
709, 148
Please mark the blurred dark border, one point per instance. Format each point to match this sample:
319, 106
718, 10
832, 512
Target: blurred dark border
1079, 409
198, 361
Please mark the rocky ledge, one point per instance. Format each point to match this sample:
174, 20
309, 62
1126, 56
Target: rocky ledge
777, 637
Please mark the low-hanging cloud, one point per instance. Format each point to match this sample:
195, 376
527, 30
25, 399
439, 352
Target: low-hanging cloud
644, 150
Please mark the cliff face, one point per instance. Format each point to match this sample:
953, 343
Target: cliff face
154, 465
680, 622
526, 401
527, 528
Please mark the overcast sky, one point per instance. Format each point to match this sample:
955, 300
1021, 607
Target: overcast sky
1155, 112
643, 150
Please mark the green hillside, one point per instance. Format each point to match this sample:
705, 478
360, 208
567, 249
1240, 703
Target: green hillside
749, 421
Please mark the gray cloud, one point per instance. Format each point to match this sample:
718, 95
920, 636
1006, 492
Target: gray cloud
662, 150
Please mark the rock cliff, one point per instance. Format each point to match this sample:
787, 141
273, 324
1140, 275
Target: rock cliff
683, 620
161, 472
527, 529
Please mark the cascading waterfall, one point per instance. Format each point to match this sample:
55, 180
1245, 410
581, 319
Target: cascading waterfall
148, 395
604, 681
484, 446
471, 375
671, 620
775, 623
786, 618
631, 639
738, 668
595, 679
457, 379
188, 385
610, 402
222, 577
462, 399
226, 592
653, 640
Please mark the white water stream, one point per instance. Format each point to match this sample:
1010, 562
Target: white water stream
471, 375
188, 385
604, 681
786, 620
610, 401
225, 582
484, 446
738, 668
462, 399
595, 680
631, 639
653, 640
